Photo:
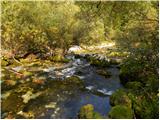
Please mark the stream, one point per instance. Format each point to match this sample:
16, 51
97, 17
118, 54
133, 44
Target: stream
51, 96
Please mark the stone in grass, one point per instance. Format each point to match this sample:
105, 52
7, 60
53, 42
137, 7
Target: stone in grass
121, 112
87, 112
103, 72
120, 98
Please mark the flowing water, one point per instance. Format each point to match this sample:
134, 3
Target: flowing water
54, 97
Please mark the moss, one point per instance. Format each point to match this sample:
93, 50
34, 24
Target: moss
59, 58
98, 63
74, 80
120, 98
26, 73
121, 112
86, 112
65, 60
104, 73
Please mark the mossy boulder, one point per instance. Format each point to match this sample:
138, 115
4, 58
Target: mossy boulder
120, 98
87, 112
65, 60
121, 112
97, 62
74, 80
59, 58
104, 73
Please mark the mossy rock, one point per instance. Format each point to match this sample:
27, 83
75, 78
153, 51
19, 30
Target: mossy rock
121, 112
133, 85
104, 73
74, 80
65, 60
87, 112
59, 58
120, 98
98, 63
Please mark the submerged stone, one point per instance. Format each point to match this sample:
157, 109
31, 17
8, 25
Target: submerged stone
74, 80
103, 73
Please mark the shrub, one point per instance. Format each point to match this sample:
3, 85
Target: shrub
120, 98
121, 112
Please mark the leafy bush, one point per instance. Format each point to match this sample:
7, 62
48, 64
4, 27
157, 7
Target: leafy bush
120, 98
121, 112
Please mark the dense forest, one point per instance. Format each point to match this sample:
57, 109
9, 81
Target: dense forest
45, 45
